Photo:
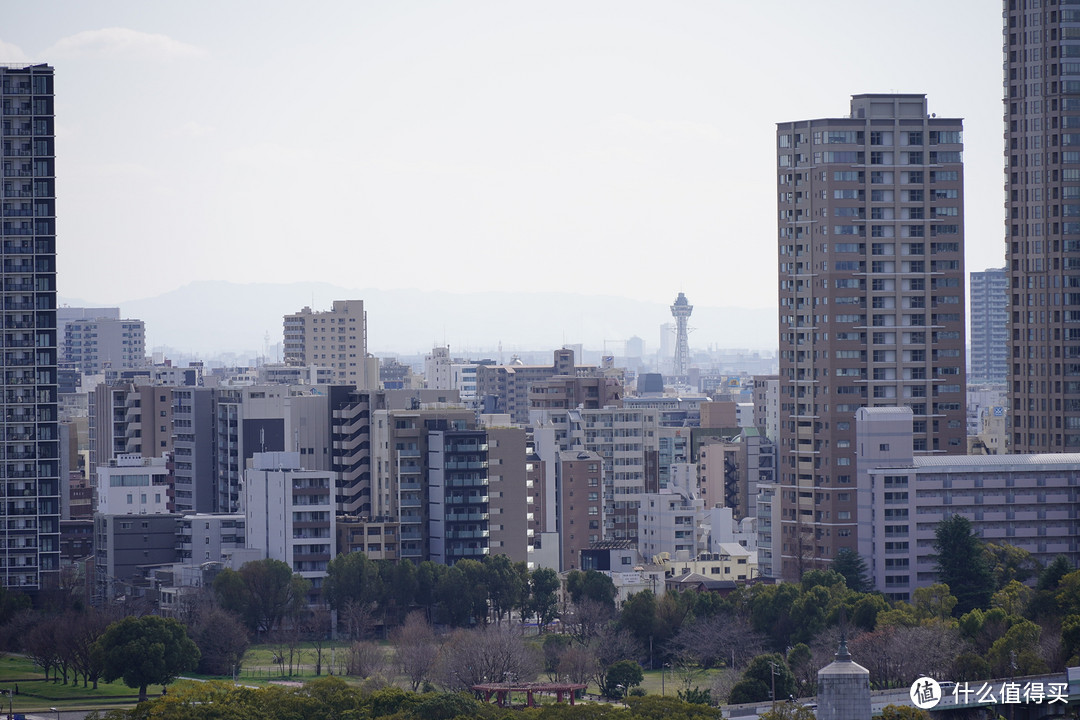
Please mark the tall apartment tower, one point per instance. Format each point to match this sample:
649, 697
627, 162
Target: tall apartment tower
30, 477
336, 339
871, 296
989, 327
1042, 173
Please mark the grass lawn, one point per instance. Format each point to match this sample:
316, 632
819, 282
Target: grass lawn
36, 693
654, 684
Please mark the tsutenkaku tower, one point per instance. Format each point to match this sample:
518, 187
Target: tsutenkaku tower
681, 312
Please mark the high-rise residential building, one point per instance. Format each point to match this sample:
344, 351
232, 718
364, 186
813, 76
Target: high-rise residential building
289, 514
871, 295
989, 338
30, 510
1042, 174
989, 327
129, 418
96, 344
336, 339
505, 388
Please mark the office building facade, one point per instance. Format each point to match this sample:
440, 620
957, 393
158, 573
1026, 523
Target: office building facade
871, 296
30, 511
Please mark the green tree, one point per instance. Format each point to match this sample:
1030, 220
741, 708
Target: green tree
1013, 598
969, 667
851, 565
822, 578
763, 674
591, 585
620, 677
961, 564
543, 596
457, 598
655, 707
934, 602
903, 712
145, 651
1009, 562
770, 611
1070, 638
801, 662
262, 592
351, 576
864, 614
1017, 651
638, 616
503, 585
1051, 576
696, 696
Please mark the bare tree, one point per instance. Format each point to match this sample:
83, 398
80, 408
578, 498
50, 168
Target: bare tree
686, 666
417, 650
490, 654
222, 640
896, 656
318, 628
366, 659
84, 631
722, 683
721, 639
585, 619
609, 646
577, 664
358, 618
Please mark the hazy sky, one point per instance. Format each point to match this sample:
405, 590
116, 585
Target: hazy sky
620, 148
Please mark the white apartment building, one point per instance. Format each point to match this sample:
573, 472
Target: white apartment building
437, 373
672, 521
133, 485
1024, 500
628, 442
204, 537
94, 345
289, 513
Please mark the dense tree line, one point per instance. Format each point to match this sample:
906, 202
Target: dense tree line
332, 698
366, 592
451, 627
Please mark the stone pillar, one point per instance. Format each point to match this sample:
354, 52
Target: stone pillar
843, 689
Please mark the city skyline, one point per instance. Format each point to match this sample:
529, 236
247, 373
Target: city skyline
611, 132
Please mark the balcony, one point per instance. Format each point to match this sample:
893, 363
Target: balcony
467, 534
466, 465
466, 499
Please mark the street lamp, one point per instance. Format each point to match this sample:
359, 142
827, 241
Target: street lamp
663, 675
57, 711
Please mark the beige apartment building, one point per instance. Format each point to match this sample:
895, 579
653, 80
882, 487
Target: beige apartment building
335, 339
871, 303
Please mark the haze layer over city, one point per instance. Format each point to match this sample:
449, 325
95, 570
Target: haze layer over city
613, 149
448, 360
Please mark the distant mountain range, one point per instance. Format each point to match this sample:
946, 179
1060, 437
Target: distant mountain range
215, 317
